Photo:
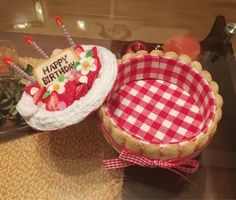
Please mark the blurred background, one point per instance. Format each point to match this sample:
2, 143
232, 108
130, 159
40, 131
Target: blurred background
151, 20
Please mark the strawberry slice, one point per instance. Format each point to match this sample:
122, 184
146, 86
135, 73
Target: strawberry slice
52, 101
97, 63
96, 58
91, 77
38, 96
95, 52
79, 49
69, 95
81, 90
28, 88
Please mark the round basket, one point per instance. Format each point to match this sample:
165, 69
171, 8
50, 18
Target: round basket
162, 107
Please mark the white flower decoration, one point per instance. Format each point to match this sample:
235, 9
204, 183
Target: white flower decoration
59, 87
86, 64
83, 79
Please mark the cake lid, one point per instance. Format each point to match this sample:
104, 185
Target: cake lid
66, 86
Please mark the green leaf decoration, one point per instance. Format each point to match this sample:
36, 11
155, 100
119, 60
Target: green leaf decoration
46, 94
61, 78
18, 93
89, 54
76, 64
29, 70
10, 94
12, 112
6, 104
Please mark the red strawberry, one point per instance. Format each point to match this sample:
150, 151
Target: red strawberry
91, 77
39, 95
97, 63
30, 86
69, 95
52, 101
79, 49
95, 52
81, 90
96, 58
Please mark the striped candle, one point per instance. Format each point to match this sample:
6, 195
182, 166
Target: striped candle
67, 35
18, 69
39, 50
65, 31
29, 40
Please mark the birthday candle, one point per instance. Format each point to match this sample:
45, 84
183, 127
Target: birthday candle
30, 41
18, 69
65, 31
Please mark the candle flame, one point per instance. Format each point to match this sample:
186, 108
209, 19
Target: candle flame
7, 60
58, 20
28, 39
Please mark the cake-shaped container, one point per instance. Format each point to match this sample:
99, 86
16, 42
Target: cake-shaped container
42, 119
162, 107
66, 86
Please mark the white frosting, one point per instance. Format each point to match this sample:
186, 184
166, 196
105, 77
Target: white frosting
29, 109
42, 119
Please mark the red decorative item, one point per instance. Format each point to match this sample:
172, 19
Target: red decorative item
58, 20
133, 47
183, 44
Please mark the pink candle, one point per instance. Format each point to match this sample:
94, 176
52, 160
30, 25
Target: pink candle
17, 69
65, 31
30, 41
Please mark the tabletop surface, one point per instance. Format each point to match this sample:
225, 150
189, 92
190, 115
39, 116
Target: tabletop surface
107, 26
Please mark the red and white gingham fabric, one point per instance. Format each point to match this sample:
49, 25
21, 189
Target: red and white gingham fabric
160, 100
127, 158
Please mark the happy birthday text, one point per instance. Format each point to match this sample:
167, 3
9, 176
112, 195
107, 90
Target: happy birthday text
54, 70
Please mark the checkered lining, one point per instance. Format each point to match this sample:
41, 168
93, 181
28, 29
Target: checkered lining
160, 100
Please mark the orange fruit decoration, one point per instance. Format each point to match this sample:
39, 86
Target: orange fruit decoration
183, 44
